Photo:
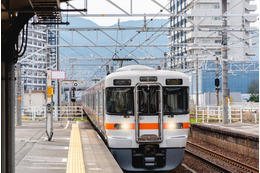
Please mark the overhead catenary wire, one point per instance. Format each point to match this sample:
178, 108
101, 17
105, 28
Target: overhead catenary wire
133, 37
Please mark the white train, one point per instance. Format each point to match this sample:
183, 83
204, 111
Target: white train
143, 115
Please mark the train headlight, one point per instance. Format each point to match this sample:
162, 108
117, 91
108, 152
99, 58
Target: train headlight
125, 126
174, 125
171, 125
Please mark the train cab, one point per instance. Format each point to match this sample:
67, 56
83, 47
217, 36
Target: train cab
146, 117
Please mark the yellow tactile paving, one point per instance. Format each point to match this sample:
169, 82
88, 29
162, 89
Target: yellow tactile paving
75, 162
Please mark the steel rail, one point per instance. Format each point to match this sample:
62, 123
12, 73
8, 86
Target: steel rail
225, 158
209, 163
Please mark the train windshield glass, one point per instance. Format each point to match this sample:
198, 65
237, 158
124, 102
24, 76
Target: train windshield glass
148, 100
175, 100
120, 101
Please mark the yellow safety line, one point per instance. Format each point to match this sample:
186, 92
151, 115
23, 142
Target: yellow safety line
75, 163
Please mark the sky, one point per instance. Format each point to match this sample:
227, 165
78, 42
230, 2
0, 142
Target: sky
104, 7
139, 7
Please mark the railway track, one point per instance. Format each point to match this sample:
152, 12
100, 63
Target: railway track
245, 167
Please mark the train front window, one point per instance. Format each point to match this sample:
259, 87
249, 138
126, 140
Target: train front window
120, 101
148, 100
175, 100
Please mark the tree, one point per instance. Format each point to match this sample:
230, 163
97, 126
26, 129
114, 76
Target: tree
253, 89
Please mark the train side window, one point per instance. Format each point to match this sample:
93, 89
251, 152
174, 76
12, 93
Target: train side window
88, 100
99, 102
93, 101
96, 102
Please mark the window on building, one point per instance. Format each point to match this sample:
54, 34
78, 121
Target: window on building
216, 6
206, 6
204, 52
206, 41
191, 18
217, 18
217, 41
208, 18
218, 52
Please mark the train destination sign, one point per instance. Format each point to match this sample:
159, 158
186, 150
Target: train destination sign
174, 82
58, 75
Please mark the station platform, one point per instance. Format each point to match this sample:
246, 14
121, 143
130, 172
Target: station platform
34, 153
242, 138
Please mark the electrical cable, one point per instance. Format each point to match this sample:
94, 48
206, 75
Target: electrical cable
23, 48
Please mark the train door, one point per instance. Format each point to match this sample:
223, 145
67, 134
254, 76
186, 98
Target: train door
148, 113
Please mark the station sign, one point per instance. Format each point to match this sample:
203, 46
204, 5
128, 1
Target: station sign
58, 75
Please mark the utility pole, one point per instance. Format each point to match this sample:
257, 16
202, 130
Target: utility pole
49, 98
49, 107
217, 81
18, 95
58, 81
197, 80
165, 61
225, 89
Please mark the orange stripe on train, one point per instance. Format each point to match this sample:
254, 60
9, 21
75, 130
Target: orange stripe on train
146, 126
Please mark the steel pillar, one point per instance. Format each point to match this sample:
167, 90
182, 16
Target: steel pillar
9, 57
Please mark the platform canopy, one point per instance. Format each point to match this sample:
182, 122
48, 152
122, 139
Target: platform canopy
46, 10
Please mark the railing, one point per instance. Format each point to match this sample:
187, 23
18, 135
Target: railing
236, 113
39, 113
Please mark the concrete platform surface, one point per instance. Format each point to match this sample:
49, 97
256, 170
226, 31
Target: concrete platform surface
238, 129
35, 154
242, 138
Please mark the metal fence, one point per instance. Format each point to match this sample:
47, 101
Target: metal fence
236, 113
39, 113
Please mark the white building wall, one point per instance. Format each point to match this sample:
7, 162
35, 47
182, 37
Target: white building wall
34, 61
206, 15
34, 99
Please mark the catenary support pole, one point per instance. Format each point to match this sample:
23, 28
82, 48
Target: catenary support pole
224, 52
19, 96
197, 80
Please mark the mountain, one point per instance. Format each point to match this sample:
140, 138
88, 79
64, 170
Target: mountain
101, 38
89, 56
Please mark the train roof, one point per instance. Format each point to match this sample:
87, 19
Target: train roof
140, 70
133, 72
134, 68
